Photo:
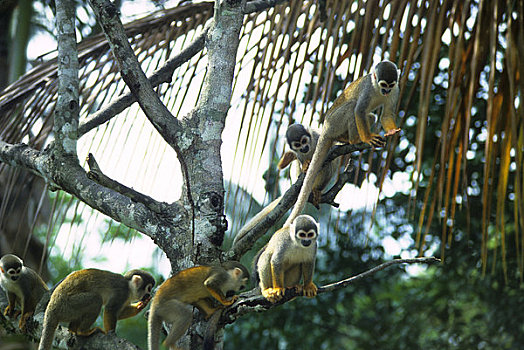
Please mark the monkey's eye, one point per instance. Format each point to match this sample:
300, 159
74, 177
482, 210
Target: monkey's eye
296, 144
149, 288
384, 85
305, 140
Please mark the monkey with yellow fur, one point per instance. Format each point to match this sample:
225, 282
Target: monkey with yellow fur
22, 285
348, 120
198, 286
79, 298
288, 258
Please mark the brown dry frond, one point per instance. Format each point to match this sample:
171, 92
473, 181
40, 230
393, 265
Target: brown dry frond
291, 66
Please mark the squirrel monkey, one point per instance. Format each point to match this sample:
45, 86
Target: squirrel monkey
197, 286
80, 296
288, 257
22, 285
348, 120
302, 142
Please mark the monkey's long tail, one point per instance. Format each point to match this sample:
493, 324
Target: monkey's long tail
154, 325
255, 220
48, 331
319, 156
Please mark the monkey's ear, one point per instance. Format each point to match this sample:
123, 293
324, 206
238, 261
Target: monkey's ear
237, 272
137, 281
287, 158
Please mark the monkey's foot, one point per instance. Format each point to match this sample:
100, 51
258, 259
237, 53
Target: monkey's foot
87, 333
273, 294
392, 132
23, 321
310, 290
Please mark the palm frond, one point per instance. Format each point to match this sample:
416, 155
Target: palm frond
455, 56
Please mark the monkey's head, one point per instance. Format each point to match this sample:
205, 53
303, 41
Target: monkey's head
11, 266
385, 76
141, 284
304, 230
298, 138
239, 277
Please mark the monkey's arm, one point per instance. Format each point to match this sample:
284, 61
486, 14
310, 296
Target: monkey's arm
287, 158
277, 271
388, 116
309, 289
113, 309
213, 284
362, 122
133, 309
277, 290
206, 306
10, 309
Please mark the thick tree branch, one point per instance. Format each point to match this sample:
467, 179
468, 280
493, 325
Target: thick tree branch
156, 112
69, 176
67, 108
261, 5
162, 75
290, 197
108, 17
96, 174
253, 301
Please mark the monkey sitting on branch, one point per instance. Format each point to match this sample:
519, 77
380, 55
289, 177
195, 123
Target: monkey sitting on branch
198, 286
288, 258
348, 120
22, 285
79, 298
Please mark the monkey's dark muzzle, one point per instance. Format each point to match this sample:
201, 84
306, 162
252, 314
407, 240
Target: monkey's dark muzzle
305, 243
385, 92
14, 278
304, 149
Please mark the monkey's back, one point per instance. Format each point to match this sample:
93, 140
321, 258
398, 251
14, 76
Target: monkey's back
181, 286
344, 106
93, 281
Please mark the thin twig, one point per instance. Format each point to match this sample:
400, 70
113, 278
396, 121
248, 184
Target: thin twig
253, 301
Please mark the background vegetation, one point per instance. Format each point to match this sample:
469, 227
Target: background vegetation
460, 152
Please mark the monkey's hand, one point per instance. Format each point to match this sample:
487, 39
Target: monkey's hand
141, 305
305, 165
376, 141
228, 302
310, 290
273, 294
392, 132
